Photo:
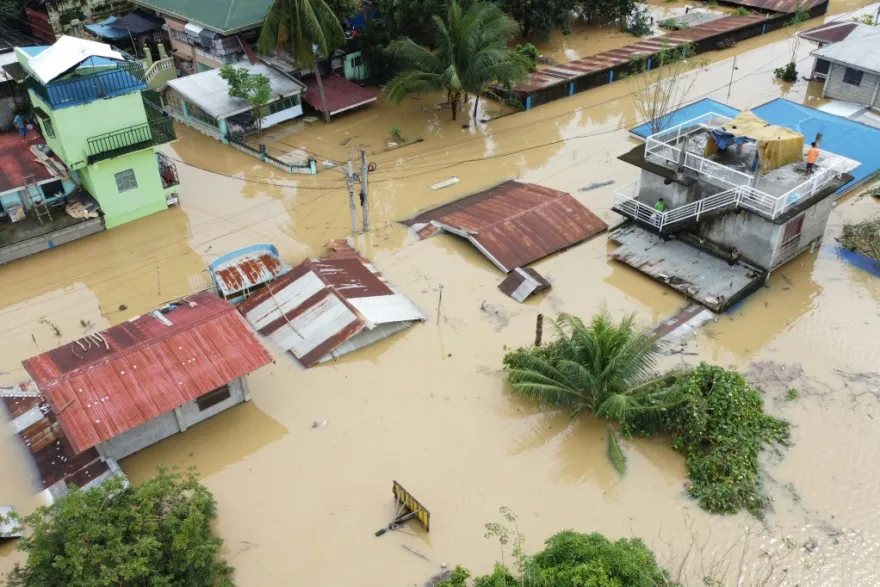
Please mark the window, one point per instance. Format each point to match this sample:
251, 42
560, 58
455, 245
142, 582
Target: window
284, 104
125, 180
793, 229
212, 398
852, 76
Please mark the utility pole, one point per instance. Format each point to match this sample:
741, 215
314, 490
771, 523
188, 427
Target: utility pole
730, 83
365, 202
349, 175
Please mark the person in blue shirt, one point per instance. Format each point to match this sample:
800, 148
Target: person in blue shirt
20, 124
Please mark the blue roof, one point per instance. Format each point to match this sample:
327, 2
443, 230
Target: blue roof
34, 51
849, 138
689, 112
103, 85
105, 31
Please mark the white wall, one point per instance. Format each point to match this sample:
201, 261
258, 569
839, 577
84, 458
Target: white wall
280, 117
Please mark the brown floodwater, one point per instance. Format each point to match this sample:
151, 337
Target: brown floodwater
300, 505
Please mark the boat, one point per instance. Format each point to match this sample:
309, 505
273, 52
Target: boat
240, 273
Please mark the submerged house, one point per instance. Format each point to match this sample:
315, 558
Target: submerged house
98, 117
112, 393
853, 67
738, 205
325, 308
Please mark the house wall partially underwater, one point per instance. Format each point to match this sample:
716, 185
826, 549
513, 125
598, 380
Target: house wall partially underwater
171, 423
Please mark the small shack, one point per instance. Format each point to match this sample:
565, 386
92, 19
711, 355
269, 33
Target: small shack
122, 389
202, 100
325, 308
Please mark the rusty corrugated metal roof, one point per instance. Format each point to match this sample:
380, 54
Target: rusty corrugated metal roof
53, 456
830, 32
566, 72
103, 385
514, 223
523, 282
327, 307
246, 268
784, 6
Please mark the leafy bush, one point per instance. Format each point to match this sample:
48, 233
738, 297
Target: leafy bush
158, 533
863, 237
718, 423
638, 23
572, 559
787, 73
670, 24
530, 53
742, 11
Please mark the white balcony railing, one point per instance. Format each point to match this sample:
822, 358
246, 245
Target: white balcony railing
662, 145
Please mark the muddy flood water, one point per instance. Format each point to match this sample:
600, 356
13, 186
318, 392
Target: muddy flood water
299, 505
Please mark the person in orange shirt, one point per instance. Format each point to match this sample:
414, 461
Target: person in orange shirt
812, 156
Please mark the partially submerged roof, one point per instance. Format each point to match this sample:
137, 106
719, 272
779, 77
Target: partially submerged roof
680, 115
830, 32
341, 94
513, 223
247, 268
103, 385
523, 282
55, 460
324, 308
784, 6
210, 92
222, 16
861, 49
67, 53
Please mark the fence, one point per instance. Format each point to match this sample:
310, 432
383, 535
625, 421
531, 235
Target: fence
81, 89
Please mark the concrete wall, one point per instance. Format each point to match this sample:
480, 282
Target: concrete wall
755, 237
865, 93
51, 240
147, 198
169, 424
812, 231
653, 187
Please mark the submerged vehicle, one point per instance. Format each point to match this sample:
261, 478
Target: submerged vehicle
240, 273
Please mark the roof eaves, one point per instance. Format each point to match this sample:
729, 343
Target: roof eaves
845, 64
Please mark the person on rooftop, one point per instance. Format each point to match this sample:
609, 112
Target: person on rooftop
812, 156
660, 206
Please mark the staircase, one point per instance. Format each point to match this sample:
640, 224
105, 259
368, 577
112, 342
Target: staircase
160, 73
38, 202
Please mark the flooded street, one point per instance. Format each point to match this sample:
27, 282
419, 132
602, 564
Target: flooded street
299, 505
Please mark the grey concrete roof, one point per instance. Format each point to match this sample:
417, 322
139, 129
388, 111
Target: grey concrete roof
861, 49
210, 92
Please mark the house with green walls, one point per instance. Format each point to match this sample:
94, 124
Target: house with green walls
98, 116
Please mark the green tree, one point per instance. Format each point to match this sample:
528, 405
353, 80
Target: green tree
471, 53
253, 87
604, 368
157, 534
306, 29
413, 19
539, 18
344, 8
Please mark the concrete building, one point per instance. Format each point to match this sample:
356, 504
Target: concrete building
853, 67
127, 387
99, 118
733, 212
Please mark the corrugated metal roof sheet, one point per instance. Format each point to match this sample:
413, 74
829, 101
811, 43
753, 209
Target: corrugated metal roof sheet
247, 268
340, 93
67, 53
523, 282
830, 32
322, 303
784, 6
861, 49
146, 368
514, 223
566, 72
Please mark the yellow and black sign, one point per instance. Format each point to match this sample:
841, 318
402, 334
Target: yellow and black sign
408, 508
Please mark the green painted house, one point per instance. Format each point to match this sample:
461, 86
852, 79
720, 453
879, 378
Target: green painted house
99, 117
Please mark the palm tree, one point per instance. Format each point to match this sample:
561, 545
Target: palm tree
305, 29
606, 369
471, 53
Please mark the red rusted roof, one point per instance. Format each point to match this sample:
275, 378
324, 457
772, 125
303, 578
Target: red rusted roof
523, 282
341, 94
515, 223
17, 161
145, 369
784, 6
565, 72
831, 32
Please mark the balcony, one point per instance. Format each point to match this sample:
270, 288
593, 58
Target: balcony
80, 89
168, 172
131, 139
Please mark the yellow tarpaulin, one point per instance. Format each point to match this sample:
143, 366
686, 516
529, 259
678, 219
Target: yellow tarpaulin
777, 145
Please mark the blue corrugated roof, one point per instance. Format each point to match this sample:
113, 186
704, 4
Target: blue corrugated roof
34, 51
106, 31
841, 136
689, 112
